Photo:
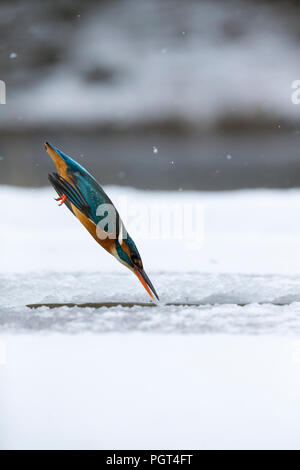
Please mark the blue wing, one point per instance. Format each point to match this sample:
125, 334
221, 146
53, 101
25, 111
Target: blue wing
85, 192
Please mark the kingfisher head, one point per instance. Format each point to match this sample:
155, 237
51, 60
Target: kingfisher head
127, 253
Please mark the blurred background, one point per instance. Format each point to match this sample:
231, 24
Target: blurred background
157, 94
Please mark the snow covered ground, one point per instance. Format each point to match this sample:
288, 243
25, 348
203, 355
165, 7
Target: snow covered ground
150, 391
220, 375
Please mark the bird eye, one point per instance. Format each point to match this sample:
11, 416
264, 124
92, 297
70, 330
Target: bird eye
134, 259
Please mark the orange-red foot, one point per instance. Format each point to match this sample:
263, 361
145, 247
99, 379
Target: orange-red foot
63, 199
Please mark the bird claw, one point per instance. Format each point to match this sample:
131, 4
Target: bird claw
63, 199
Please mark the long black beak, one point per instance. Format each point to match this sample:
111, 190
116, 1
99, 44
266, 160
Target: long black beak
144, 279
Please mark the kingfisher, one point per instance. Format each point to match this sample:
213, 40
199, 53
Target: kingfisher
84, 197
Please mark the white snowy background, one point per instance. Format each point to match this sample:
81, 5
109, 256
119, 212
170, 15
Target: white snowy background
218, 375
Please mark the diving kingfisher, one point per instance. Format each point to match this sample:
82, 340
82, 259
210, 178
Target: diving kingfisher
83, 196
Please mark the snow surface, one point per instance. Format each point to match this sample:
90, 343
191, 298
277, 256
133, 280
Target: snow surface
216, 376
150, 391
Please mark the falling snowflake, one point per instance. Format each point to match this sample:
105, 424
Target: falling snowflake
13, 55
155, 149
229, 157
121, 175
